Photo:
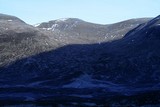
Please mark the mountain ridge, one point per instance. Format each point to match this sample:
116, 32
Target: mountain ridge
72, 18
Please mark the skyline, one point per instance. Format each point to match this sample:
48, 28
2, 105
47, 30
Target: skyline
101, 12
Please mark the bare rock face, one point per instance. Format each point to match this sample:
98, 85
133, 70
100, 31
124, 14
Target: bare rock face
80, 63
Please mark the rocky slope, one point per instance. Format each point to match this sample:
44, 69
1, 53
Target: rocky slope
117, 71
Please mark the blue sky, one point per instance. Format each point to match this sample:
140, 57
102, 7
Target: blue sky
97, 11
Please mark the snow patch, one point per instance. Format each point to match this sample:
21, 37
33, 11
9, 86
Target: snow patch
9, 20
46, 43
48, 28
62, 20
54, 26
51, 28
75, 24
36, 25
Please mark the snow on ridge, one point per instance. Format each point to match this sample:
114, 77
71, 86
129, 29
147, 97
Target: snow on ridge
51, 28
54, 25
36, 25
62, 19
46, 28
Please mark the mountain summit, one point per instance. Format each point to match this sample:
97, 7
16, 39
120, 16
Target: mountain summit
9, 18
61, 24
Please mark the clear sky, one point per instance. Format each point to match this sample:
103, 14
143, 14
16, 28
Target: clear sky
97, 11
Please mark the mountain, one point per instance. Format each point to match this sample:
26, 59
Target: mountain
19, 40
87, 32
116, 71
137, 53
